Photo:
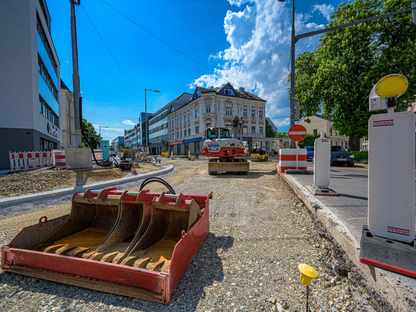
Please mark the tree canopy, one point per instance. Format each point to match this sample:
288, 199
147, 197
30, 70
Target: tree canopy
90, 132
309, 140
337, 77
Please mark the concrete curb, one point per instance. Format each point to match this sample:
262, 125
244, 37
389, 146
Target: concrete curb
375, 276
126, 179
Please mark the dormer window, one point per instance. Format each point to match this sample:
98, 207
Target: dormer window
197, 94
228, 91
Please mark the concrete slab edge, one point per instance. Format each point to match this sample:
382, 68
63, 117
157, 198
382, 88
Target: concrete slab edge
129, 178
375, 276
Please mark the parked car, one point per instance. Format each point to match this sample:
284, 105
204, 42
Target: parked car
339, 156
309, 152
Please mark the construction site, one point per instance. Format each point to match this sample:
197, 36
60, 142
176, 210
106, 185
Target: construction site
246, 257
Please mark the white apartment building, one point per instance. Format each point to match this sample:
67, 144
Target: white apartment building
67, 110
217, 107
29, 80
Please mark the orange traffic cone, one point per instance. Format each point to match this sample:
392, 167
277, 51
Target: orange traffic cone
134, 169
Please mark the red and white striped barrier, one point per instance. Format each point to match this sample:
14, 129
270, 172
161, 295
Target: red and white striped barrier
287, 159
29, 160
59, 158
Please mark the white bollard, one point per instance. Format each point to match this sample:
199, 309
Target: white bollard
322, 162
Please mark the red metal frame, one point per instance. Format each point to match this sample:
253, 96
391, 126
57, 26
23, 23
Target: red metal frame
109, 277
387, 267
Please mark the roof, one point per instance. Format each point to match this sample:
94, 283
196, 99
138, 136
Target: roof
176, 103
238, 93
63, 86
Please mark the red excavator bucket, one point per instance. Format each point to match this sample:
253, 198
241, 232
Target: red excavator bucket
136, 244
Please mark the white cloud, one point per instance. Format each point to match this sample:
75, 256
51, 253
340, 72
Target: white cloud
325, 9
258, 54
128, 122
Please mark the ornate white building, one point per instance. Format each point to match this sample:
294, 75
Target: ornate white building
217, 107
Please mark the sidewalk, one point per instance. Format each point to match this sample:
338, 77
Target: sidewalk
343, 217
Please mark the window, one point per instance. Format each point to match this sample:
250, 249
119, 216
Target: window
228, 111
180, 121
184, 132
197, 94
46, 111
189, 116
208, 109
244, 112
177, 121
261, 130
179, 149
177, 134
315, 131
47, 78
196, 129
228, 91
245, 129
330, 131
196, 113
253, 129
196, 147
260, 113
189, 131
46, 145
181, 134
253, 113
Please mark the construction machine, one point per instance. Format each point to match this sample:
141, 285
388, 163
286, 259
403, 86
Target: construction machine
224, 150
258, 154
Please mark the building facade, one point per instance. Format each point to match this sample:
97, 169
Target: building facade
217, 107
316, 124
158, 124
29, 80
67, 110
118, 143
132, 138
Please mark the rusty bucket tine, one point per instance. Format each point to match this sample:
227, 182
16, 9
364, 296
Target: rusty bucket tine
128, 225
168, 220
93, 216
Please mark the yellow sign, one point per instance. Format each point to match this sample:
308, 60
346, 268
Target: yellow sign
393, 85
165, 153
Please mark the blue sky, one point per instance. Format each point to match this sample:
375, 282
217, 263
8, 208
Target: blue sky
244, 42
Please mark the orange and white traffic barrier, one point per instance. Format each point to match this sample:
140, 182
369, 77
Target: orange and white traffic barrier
59, 158
29, 160
287, 159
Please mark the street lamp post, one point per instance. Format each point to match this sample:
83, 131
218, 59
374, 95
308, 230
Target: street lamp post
145, 117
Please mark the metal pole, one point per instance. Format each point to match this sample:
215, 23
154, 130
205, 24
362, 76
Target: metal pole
292, 72
75, 75
307, 298
145, 119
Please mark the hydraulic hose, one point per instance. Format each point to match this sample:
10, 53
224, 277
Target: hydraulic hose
159, 180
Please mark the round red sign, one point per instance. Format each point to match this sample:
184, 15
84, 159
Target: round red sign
297, 133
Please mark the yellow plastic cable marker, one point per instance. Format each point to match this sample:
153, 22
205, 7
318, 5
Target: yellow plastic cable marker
393, 85
307, 273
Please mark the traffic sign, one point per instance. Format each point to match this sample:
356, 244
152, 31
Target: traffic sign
297, 133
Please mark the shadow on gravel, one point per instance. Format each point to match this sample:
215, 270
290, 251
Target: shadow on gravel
252, 174
205, 269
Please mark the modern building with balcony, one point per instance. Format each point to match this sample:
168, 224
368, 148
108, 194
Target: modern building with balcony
217, 107
29, 80
158, 124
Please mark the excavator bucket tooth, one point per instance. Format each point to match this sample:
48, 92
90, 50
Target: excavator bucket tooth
137, 244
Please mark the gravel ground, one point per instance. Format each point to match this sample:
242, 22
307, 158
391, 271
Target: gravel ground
259, 233
31, 182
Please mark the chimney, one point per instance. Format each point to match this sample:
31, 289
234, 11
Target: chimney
242, 89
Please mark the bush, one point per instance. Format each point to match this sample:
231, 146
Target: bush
360, 156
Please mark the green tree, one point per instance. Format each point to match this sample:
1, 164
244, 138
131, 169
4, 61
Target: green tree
309, 140
337, 77
282, 135
91, 134
270, 133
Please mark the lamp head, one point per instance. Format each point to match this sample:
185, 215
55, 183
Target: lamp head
281, 0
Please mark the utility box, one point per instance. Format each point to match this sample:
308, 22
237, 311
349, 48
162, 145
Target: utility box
391, 176
78, 158
105, 146
322, 162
